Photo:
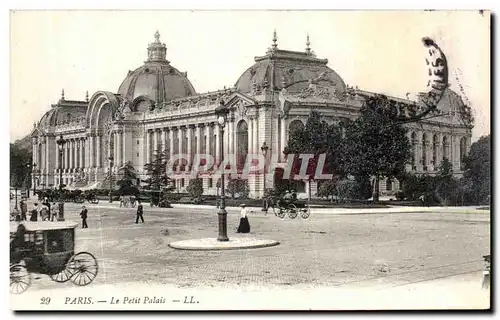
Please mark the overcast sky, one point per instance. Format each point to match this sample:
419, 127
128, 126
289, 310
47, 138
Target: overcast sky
377, 51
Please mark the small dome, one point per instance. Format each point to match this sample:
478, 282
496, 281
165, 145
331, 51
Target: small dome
450, 101
156, 79
292, 70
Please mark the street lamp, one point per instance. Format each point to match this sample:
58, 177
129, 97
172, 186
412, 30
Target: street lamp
221, 113
60, 143
110, 178
264, 149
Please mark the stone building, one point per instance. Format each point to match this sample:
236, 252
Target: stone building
157, 108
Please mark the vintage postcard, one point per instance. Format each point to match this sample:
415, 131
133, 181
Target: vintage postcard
249, 160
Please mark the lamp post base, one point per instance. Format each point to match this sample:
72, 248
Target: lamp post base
222, 225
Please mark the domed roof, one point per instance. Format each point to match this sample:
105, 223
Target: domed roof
156, 79
63, 111
292, 70
450, 101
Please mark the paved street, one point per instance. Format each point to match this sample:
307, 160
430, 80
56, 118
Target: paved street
326, 250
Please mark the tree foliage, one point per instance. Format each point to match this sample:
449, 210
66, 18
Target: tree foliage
20, 166
237, 186
477, 174
156, 172
375, 144
128, 179
195, 189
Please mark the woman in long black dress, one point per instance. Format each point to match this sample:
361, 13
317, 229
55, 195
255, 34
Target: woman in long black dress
244, 226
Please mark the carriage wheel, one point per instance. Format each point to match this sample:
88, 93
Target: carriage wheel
20, 279
280, 213
305, 213
85, 268
64, 275
292, 211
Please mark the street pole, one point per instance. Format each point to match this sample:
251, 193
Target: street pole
222, 210
221, 113
264, 149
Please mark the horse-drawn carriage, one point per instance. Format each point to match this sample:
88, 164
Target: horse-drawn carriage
282, 207
47, 248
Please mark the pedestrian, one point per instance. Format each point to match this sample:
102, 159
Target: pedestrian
244, 226
139, 212
83, 215
53, 212
34, 213
24, 209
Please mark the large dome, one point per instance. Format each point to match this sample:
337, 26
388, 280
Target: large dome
292, 70
156, 79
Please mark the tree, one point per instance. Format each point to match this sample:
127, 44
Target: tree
158, 182
20, 166
195, 189
238, 186
477, 174
316, 137
375, 144
126, 185
446, 186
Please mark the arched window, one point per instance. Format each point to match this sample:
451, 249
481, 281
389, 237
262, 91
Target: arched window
435, 145
413, 150
463, 151
242, 143
295, 126
424, 151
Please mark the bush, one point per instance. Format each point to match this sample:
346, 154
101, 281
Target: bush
363, 188
346, 190
400, 196
195, 189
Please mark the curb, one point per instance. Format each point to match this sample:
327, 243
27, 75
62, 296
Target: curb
184, 245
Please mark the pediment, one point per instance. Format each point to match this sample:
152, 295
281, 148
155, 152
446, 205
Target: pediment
240, 103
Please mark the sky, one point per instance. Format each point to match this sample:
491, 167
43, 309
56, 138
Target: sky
379, 51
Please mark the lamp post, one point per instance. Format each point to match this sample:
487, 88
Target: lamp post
110, 179
60, 143
264, 150
29, 166
221, 113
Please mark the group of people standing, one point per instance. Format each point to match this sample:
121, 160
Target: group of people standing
41, 211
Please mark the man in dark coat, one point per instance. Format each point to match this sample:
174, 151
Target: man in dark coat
83, 214
34, 213
24, 209
139, 213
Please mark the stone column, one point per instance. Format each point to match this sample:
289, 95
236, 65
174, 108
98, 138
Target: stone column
148, 146
256, 147
164, 139
98, 153
66, 154
180, 136
200, 137
47, 155
283, 138
91, 151
155, 140
171, 142
250, 135
57, 158
190, 144
230, 128
123, 146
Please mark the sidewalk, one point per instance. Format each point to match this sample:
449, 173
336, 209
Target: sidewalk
333, 211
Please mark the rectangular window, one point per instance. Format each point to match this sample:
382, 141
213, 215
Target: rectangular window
137, 142
388, 185
182, 183
137, 154
210, 182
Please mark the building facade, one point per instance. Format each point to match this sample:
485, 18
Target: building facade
156, 108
